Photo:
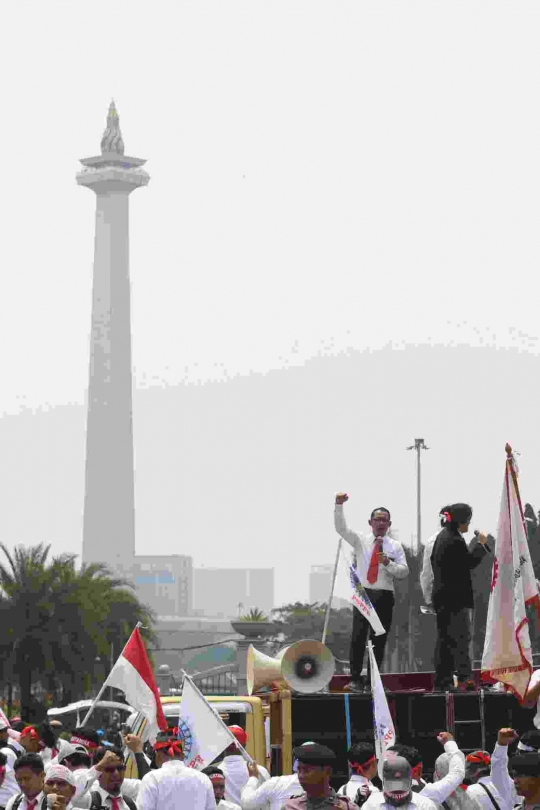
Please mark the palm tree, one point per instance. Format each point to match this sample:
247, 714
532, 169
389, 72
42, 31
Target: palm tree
58, 619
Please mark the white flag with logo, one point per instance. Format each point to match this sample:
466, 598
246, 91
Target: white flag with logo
201, 729
507, 654
361, 600
385, 734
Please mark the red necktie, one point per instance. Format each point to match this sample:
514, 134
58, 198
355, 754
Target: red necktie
31, 805
373, 570
115, 802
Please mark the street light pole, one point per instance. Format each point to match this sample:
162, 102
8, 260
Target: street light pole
418, 445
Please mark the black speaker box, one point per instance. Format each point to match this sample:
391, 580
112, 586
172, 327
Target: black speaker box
418, 718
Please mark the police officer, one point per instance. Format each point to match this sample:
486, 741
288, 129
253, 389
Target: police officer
315, 763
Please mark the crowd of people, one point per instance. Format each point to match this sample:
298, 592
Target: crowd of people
39, 770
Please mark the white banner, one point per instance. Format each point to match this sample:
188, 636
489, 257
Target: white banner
200, 728
507, 655
385, 734
362, 602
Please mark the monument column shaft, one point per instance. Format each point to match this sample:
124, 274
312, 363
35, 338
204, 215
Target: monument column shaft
109, 512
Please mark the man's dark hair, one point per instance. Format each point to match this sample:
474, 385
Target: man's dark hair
47, 734
18, 725
531, 738
408, 752
87, 733
32, 761
3, 759
459, 513
102, 750
380, 509
360, 752
78, 758
212, 771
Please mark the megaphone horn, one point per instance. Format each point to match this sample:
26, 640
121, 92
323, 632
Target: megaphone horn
263, 670
308, 666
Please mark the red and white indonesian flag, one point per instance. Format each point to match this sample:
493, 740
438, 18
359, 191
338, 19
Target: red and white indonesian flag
385, 733
200, 728
133, 674
507, 647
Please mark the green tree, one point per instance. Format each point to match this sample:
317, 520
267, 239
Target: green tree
301, 621
58, 619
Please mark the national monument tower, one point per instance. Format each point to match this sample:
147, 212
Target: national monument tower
109, 501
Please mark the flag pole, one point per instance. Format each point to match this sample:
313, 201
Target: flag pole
215, 714
329, 605
99, 694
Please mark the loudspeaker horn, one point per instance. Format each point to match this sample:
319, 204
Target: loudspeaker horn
263, 670
308, 666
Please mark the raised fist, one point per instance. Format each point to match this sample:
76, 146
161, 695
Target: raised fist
506, 736
341, 497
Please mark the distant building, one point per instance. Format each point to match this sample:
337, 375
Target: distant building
320, 582
164, 583
220, 591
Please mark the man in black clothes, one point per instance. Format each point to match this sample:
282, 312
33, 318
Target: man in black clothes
452, 563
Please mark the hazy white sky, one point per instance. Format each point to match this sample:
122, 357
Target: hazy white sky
335, 188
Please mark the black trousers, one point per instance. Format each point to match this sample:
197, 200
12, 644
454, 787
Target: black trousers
383, 602
452, 647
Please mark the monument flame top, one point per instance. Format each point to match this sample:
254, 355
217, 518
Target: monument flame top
112, 137
112, 147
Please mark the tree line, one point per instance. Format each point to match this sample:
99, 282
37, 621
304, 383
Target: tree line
60, 626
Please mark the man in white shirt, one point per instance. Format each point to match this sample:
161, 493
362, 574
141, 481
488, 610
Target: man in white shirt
112, 790
59, 787
273, 793
217, 778
397, 789
500, 776
532, 696
363, 765
479, 783
11, 749
441, 789
235, 767
30, 775
379, 560
174, 786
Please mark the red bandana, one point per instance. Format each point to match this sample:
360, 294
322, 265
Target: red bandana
82, 741
173, 747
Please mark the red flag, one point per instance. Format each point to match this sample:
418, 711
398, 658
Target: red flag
133, 674
507, 647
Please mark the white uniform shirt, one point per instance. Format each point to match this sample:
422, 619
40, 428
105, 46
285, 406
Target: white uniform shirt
354, 784
271, 795
363, 549
130, 788
439, 791
236, 776
377, 802
501, 778
10, 786
426, 575
478, 793
24, 804
535, 680
225, 805
174, 786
